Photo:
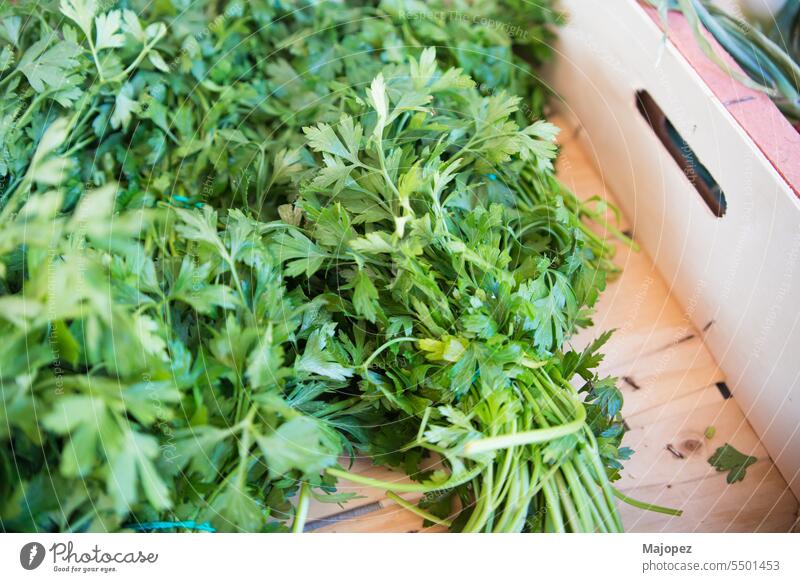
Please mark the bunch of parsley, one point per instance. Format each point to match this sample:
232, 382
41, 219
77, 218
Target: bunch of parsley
196, 102
205, 305
156, 365
456, 268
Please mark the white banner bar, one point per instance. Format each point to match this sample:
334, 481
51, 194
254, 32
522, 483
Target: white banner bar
406, 557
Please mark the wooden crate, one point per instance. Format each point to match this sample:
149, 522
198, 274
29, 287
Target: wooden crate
683, 327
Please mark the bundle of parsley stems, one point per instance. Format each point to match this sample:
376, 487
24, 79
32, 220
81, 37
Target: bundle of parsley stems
241, 242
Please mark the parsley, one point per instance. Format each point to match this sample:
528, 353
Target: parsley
238, 241
402, 207
727, 458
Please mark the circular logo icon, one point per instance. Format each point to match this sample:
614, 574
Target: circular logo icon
31, 555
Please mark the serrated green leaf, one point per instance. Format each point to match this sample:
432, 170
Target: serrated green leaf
107, 27
132, 25
48, 67
727, 458
158, 61
297, 445
365, 297
80, 12
319, 361
124, 107
376, 94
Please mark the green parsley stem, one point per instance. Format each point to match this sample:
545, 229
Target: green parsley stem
553, 506
337, 407
648, 506
78, 146
8, 77
586, 510
124, 74
417, 510
502, 475
539, 435
96, 59
384, 172
606, 512
423, 423
373, 355
23, 119
591, 459
453, 481
301, 513
575, 522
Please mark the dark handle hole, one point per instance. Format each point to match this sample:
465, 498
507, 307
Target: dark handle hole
682, 153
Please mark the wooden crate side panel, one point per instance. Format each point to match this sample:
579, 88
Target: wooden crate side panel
741, 271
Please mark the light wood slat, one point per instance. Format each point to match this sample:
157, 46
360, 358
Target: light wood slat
681, 424
760, 503
666, 375
390, 518
659, 351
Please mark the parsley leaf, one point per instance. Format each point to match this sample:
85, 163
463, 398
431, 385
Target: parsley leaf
365, 296
727, 458
316, 360
49, 67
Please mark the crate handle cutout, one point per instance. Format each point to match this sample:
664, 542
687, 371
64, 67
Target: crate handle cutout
682, 153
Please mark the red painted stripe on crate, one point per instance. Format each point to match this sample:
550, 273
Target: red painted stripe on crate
753, 110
